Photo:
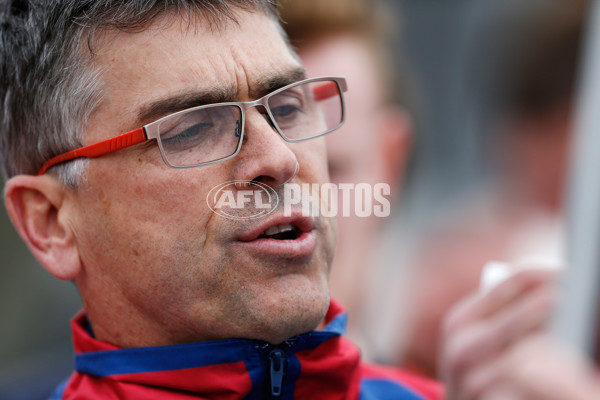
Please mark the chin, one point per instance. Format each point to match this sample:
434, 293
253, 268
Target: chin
292, 315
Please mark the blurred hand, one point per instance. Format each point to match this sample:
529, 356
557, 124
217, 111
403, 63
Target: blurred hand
538, 369
483, 334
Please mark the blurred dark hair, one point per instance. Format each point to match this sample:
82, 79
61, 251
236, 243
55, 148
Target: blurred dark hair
307, 21
544, 71
525, 59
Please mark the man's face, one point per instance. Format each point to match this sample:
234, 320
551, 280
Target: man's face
153, 253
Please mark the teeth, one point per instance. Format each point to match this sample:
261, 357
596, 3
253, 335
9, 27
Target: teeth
278, 229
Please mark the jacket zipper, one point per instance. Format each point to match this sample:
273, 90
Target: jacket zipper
277, 364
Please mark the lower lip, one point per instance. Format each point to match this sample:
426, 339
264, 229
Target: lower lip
303, 245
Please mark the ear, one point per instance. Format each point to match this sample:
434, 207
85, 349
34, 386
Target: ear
396, 143
37, 207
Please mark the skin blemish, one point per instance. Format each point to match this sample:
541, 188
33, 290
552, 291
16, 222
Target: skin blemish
104, 201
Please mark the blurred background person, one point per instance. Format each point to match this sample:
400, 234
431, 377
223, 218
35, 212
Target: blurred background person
525, 83
352, 38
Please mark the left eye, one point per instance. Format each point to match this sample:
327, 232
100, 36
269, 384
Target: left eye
285, 111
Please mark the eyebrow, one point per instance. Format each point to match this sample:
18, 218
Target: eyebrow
182, 101
268, 84
185, 100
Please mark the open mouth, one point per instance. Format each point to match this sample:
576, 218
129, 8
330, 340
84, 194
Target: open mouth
281, 232
279, 228
290, 236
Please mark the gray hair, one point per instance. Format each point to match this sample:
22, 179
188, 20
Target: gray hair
48, 89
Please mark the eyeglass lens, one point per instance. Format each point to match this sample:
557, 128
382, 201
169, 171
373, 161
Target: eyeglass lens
213, 132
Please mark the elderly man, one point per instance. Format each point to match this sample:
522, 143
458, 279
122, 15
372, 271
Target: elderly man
119, 117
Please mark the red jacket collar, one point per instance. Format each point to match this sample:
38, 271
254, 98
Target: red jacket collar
223, 369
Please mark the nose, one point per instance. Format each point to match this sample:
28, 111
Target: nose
264, 157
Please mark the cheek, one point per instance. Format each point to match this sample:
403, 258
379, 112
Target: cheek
151, 239
153, 219
312, 157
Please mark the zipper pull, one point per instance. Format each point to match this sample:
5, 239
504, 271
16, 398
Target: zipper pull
277, 359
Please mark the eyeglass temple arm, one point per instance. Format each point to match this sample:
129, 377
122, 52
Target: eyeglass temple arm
327, 90
97, 149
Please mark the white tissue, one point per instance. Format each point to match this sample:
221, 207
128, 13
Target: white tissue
493, 273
